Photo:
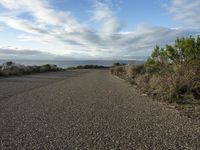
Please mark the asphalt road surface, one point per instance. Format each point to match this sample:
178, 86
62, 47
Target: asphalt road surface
88, 109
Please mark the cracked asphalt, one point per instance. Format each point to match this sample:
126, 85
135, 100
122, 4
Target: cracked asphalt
88, 109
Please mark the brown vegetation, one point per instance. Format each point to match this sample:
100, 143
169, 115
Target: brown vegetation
171, 74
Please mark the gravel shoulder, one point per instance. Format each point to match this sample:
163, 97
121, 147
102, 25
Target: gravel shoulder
87, 109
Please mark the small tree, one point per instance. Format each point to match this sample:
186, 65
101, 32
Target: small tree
185, 51
179, 63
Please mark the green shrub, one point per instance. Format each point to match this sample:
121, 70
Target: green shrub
185, 51
45, 68
9, 63
171, 73
89, 67
118, 64
177, 70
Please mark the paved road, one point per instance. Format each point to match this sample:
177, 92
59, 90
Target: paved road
87, 109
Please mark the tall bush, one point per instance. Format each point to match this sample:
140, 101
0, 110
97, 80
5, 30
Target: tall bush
178, 66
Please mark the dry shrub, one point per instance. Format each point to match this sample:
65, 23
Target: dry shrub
132, 70
183, 82
176, 85
142, 81
128, 72
118, 70
155, 85
171, 73
175, 70
163, 87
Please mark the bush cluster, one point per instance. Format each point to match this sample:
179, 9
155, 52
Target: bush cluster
10, 68
88, 67
118, 69
175, 70
171, 73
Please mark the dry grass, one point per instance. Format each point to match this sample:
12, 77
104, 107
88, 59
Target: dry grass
132, 70
180, 84
118, 71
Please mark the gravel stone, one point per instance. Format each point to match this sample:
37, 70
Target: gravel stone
88, 109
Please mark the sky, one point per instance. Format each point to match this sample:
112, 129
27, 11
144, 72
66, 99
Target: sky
93, 29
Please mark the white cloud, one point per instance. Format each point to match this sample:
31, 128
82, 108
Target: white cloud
61, 31
1, 28
42, 13
106, 17
15, 53
185, 12
22, 25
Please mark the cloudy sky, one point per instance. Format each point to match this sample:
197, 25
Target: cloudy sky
93, 29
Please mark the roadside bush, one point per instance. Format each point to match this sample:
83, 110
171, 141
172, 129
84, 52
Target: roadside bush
89, 67
132, 70
176, 69
142, 81
34, 69
171, 73
118, 70
10, 68
118, 64
45, 68
0, 71
9, 63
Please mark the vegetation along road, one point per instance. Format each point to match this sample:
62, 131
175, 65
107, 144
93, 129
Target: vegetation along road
87, 109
